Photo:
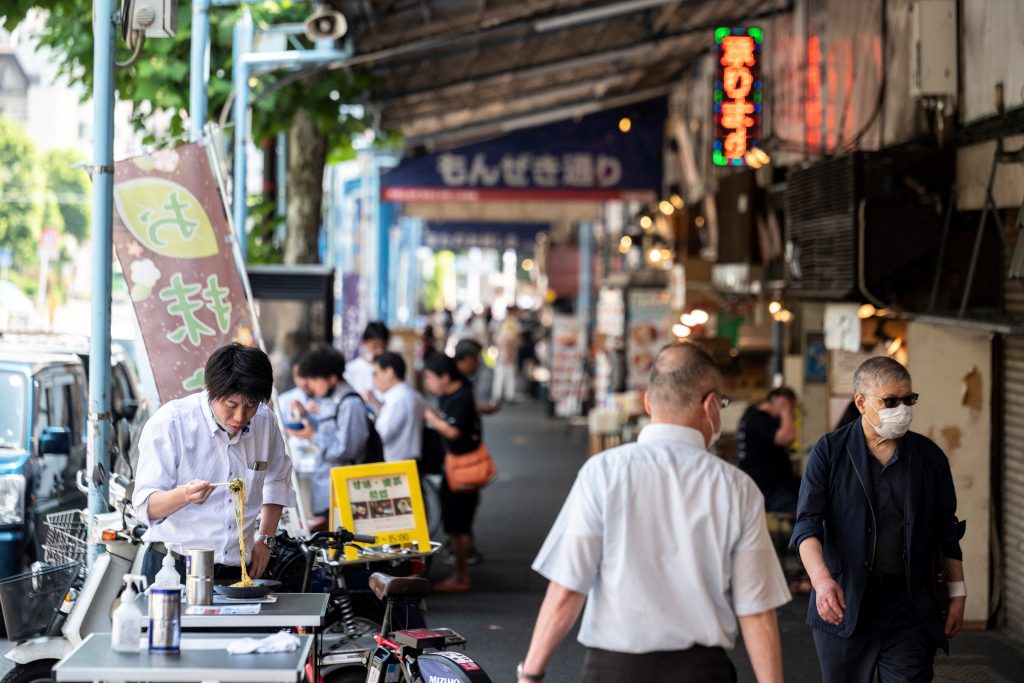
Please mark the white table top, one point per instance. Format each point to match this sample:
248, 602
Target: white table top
203, 657
292, 610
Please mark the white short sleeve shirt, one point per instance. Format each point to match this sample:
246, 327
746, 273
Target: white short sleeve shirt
668, 541
182, 442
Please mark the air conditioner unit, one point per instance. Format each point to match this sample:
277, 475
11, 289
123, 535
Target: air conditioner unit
933, 55
867, 221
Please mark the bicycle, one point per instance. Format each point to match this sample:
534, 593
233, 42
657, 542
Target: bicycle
414, 655
354, 613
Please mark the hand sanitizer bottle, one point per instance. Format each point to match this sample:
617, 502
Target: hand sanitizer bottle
126, 622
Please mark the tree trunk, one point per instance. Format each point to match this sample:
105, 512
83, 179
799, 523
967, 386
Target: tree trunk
307, 156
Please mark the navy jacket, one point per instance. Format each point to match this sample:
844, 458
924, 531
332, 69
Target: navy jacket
836, 505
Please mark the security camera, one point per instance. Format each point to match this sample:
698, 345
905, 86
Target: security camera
326, 24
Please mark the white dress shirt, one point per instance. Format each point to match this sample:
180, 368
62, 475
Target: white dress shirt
182, 442
359, 375
668, 541
400, 423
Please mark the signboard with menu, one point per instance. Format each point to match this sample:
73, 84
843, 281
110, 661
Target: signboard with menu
647, 331
175, 246
567, 374
382, 500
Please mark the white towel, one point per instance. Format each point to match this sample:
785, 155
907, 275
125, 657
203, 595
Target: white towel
282, 641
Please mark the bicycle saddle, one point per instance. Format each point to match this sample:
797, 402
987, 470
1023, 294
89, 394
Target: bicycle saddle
385, 586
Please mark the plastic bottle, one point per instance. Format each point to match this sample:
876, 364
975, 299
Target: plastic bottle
126, 622
168, 576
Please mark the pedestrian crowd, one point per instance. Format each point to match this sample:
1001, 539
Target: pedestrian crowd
873, 516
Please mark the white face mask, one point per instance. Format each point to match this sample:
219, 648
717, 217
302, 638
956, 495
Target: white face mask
893, 422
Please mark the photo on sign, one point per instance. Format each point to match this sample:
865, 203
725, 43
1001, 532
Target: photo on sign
383, 500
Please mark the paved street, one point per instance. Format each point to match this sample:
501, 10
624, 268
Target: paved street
537, 458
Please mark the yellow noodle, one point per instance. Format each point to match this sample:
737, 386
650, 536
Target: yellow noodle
237, 488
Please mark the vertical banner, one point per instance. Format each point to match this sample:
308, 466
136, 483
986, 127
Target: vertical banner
738, 94
568, 346
649, 326
175, 246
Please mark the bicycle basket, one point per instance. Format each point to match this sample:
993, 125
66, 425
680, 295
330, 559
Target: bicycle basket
31, 601
66, 538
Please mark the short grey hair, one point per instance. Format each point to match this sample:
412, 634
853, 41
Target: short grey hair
682, 375
874, 372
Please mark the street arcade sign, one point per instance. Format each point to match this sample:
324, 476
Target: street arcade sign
175, 246
585, 159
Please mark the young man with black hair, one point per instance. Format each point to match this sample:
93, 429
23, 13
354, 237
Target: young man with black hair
359, 371
399, 411
458, 422
341, 428
225, 432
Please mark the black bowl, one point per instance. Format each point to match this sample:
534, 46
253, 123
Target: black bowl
260, 589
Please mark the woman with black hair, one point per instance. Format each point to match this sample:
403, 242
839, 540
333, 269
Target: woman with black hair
458, 422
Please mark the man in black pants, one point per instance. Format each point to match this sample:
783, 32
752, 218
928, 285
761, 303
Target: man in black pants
876, 502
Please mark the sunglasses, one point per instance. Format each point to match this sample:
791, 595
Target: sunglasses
893, 401
723, 400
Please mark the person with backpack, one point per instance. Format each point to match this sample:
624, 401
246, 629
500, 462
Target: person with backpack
342, 429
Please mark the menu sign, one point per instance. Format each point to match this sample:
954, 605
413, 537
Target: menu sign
382, 500
175, 246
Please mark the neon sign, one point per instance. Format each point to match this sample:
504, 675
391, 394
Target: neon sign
738, 94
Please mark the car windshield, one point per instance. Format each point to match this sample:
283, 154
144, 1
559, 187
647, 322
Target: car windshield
14, 400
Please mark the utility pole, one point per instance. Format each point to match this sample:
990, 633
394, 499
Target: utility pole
98, 458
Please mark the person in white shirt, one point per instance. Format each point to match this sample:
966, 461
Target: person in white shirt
299, 394
223, 433
359, 370
668, 547
399, 411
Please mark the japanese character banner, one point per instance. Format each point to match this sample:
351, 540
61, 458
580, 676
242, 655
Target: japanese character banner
174, 243
615, 154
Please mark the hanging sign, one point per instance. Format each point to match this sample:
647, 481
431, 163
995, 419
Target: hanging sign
382, 500
458, 235
738, 94
175, 246
591, 158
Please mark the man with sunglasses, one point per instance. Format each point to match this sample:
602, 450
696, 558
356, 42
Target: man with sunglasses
876, 503
667, 546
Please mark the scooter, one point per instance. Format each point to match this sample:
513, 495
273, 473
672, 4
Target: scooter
88, 609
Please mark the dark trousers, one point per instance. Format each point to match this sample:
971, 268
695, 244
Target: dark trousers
889, 639
698, 664
154, 559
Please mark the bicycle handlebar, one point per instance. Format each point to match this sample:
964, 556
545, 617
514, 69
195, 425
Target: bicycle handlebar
339, 537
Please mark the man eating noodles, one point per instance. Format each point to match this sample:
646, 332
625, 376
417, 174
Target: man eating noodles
193, 447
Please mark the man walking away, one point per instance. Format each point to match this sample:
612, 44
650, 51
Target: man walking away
664, 597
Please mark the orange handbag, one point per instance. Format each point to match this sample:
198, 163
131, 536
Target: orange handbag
469, 471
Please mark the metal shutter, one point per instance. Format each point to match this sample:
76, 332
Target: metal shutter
1013, 468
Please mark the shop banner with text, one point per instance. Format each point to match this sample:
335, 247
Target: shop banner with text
175, 245
615, 154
